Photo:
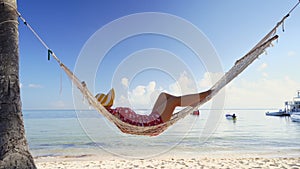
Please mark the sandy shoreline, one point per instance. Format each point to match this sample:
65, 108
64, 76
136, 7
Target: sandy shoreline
93, 162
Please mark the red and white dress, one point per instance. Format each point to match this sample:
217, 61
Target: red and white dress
129, 116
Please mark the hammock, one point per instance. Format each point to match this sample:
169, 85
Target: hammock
157, 129
238, 67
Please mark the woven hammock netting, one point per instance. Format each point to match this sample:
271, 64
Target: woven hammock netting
238, 67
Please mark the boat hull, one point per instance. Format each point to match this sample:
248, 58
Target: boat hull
279, 113
295, 117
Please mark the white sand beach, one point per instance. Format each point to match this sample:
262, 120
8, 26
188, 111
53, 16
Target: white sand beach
96, 162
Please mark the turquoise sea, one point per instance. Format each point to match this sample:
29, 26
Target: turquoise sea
85, 132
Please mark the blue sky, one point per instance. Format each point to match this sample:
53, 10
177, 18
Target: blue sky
232, 27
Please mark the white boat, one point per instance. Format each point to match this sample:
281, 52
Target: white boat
291, 107
295, 117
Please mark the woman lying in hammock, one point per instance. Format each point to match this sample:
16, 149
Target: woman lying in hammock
161, 112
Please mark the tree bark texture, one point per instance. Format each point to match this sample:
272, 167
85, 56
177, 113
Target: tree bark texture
14, 151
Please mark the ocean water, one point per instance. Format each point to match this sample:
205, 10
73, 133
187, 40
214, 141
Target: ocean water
75, 133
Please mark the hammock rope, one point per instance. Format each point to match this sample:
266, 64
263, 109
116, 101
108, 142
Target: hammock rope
238, 67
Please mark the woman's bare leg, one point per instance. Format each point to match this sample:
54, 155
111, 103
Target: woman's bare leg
166, 103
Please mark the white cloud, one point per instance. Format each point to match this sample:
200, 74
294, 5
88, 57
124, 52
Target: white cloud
262, 67
184, 85
139, 91
243, 93
262, 93
142, 96
124, 82
291, 53
122, 101
264, 74
209, 79
35, 86
21, 85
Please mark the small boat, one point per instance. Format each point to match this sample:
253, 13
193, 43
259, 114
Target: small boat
278, 113
295, 117
230, 116
196, 113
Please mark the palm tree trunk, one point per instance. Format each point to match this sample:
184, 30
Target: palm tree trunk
14, 151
